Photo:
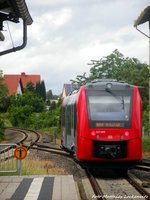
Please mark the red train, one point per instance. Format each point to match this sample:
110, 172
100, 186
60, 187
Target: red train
102, 124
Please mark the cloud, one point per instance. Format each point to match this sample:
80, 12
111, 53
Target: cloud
67, 34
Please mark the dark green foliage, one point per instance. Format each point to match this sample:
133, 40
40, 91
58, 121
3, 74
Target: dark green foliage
81, 79
146, 144
20, 114
27, 110
2, 127
4, 104
44, 120
43, 91
4, 99
22, 106
49, 95
53, 105
40, 90
30, 88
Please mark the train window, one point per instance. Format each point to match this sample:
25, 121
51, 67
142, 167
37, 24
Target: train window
68, 120
109, 107
63, 116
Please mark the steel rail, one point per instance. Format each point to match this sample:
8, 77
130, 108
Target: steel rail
142, 167
52, 151
138, 187
23, 130
48, 147
20, 141
145, 162
98, 192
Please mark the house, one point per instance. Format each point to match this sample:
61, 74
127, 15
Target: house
68, 89
17, 83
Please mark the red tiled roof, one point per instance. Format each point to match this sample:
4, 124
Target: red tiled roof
29, 78
12, 81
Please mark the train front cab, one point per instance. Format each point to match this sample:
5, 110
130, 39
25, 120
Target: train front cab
109, 126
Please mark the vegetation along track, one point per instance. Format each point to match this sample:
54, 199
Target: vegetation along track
115, 187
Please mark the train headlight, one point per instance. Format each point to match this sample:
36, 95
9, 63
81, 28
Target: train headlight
93, 133
126, 133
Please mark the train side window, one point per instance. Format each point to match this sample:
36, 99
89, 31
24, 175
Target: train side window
68, 120
63, 116
73, 116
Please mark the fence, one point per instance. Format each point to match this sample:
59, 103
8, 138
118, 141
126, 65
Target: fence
8, 163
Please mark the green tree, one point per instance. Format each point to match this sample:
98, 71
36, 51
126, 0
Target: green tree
22, 106
81, 79
4, 99
2, 128
49, 95
41, 90
117, 66
30, 87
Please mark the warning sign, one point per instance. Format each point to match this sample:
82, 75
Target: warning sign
20, 153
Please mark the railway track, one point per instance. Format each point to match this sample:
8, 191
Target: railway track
104, 188
138, 185
31, 140
28, 139
117, 188
144, 165
51, 150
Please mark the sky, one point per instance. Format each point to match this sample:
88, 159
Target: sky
67, 34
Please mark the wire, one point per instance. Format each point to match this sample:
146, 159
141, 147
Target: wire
10, 34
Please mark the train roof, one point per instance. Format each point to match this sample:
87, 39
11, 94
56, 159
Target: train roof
111, 84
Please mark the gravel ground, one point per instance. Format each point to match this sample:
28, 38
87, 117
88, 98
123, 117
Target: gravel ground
142, 175
67, 165
59, 161
12, 136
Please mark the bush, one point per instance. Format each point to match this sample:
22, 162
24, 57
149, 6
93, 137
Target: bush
44, 120
23, 106
2, 128
146, 144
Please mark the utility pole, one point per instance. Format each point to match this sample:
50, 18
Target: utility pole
145, 17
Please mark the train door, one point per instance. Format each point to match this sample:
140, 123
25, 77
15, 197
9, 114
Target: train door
72, 128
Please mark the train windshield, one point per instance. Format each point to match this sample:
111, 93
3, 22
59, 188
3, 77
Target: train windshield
107, 109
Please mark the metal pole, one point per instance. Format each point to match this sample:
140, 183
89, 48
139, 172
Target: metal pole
149, 75
20, 167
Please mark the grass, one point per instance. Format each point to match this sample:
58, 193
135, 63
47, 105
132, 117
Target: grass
40, 167
146, 144
33, 167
